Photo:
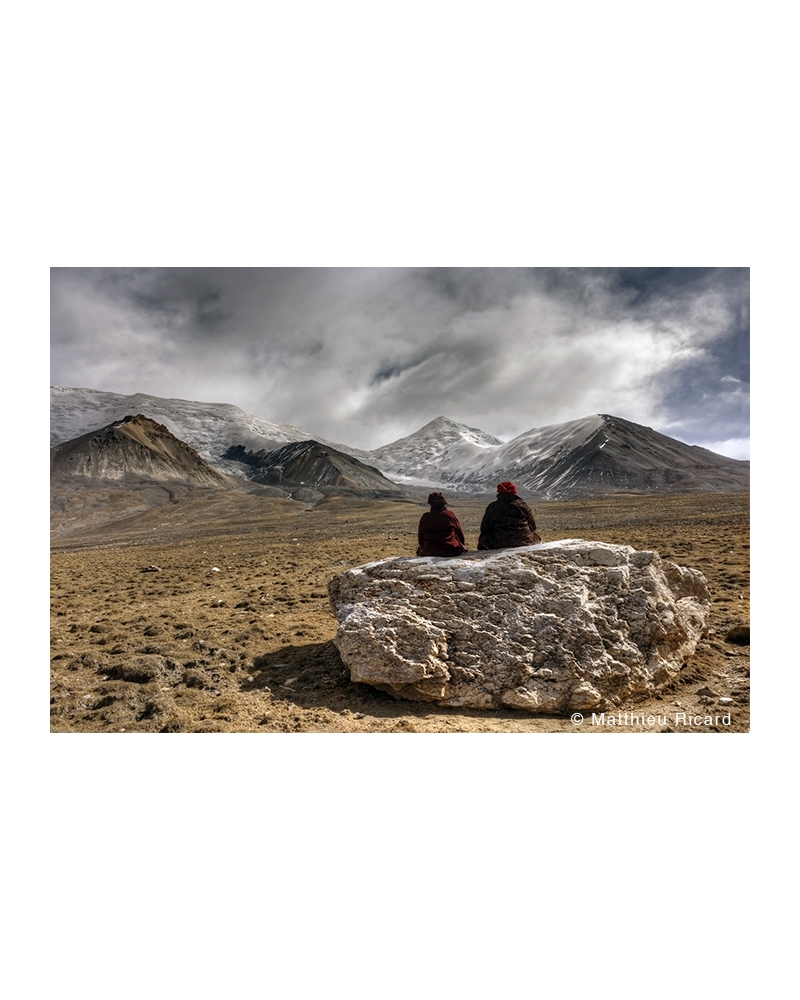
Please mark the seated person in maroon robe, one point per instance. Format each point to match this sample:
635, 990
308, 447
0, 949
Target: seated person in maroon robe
508, 522
439, 532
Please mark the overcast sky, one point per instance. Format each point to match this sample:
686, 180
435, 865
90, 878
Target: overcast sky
362, 356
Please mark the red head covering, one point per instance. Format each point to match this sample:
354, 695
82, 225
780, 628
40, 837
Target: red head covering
437, 500
506, 487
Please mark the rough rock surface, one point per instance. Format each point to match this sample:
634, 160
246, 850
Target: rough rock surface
563, 626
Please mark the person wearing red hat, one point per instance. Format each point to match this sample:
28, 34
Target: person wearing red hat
439, 532
508, 521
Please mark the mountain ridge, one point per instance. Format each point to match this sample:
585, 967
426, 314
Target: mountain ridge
210, 428
593, 455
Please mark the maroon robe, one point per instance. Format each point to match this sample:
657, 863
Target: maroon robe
508, 523
440, 534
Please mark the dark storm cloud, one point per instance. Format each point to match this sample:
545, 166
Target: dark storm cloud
176, 297
394, 370
364, 355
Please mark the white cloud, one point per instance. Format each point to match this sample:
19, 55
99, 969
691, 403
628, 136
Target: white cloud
738, 448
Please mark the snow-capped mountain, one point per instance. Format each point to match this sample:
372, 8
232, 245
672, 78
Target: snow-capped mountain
586, 457
441, 446
450, 453
605, 454
210, 428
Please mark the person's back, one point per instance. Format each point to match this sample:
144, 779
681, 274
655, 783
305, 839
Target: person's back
508, 522
439, 532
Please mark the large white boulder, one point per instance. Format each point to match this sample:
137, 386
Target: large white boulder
558, 627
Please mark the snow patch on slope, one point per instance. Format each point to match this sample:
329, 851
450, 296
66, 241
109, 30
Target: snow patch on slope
437, 448
446, 452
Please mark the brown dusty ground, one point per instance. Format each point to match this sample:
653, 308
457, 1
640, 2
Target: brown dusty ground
233, 630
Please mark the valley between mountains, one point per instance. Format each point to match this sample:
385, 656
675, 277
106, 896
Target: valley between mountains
192, 545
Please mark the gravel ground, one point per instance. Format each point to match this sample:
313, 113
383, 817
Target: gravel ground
210, 614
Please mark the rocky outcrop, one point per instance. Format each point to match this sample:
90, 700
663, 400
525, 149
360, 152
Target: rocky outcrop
311, 465
559, 627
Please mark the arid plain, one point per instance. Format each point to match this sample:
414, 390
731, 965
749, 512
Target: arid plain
211, 615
